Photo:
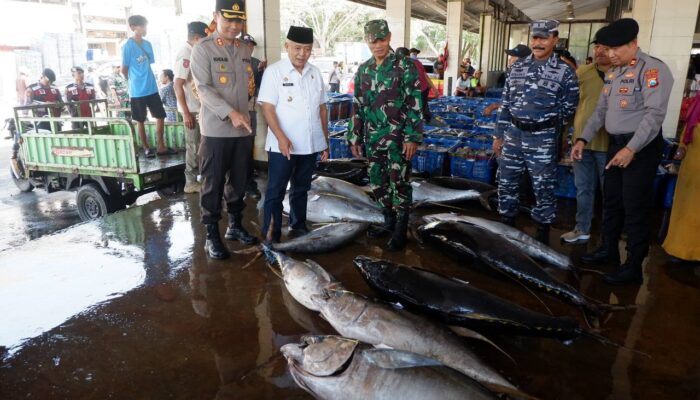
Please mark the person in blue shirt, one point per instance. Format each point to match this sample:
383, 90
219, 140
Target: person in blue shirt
137, 57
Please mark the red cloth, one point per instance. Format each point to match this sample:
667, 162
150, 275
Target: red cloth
692, 118
422, 76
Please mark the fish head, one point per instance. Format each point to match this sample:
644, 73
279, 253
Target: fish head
371, 268
338, 305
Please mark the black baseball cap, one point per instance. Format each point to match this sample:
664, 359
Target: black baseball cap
197, 28
519, 51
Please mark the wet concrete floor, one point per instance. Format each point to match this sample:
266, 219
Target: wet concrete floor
129, 307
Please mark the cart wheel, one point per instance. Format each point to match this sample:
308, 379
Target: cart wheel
92, 202
23, 184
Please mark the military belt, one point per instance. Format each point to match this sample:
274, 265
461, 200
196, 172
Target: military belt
534, 126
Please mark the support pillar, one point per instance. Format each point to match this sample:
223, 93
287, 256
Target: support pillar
667, 33
264, 25
486, 46
398, 15
455, 23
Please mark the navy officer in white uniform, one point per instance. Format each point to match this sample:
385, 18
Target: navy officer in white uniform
292, 97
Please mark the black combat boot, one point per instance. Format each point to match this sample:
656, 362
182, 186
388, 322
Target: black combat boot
510, 221
398, 238
628, 273
542, 234
214, 247
236, 231
606, 253
376, 231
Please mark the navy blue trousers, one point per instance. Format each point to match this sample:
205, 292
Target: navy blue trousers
280, 171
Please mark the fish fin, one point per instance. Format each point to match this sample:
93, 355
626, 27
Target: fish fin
602, 339
249, 250
484, 199
590, 271
468, 333
529, 290
510, 391
256, 258
383, 346
395, 359
276, 271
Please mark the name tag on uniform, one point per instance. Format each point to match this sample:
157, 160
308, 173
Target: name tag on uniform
288, 84
220, 59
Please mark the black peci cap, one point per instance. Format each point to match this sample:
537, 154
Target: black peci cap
618, 33
301, 35
231, 9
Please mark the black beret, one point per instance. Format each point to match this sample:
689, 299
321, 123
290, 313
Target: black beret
301, 35
618, 33
402, 51
48, 72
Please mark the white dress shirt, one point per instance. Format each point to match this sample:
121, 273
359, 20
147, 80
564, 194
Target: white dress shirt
297, 98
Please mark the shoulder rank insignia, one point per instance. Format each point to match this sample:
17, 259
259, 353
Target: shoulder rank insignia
220, 42
652, 78
633, 62
629, 75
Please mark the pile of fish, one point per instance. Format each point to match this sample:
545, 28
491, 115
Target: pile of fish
379, 324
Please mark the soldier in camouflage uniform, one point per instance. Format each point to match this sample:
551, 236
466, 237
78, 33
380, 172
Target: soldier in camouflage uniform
539, 97
387, 120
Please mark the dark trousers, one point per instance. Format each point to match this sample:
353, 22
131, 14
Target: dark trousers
628, 199
335, 87
250, 182
281, 171
223, 164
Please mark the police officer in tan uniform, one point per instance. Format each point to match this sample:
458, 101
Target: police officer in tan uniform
224, 79
632, 108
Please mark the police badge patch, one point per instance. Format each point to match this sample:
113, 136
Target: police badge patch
652, 78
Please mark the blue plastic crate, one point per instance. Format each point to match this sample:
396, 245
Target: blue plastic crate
566, 188
339, 147
478, 167
433, 160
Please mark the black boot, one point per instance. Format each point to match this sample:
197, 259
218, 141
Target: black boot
398, 238
606, 253
236, 231
542, 234
214, 247
384, 229
510, 221
626, 274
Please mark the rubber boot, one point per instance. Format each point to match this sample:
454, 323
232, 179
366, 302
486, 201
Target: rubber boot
384, 229
542, 234
398, 238
606, 253
213, 246
510, 221
627, 274
236, 231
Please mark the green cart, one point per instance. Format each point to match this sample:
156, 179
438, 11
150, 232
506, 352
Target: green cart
100, 159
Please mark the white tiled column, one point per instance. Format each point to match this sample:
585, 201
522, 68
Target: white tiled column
666, 32
455, 22
486, 41
264, 25
398, 15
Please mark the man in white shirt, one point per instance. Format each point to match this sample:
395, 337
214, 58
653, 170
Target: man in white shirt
292, 98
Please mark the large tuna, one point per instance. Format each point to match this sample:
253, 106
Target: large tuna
342, 188
327, 207
324, 239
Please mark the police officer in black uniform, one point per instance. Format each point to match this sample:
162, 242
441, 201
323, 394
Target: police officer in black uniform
632, 108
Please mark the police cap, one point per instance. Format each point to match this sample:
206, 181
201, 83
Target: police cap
618, 33
77, 69
543, 28
197, 28
376, 29
231, 9
248, 39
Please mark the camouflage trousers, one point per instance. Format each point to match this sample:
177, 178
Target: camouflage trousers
389, 175
536, 153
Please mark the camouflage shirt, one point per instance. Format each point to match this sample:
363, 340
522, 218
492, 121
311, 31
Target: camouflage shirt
537, 91
387, 101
